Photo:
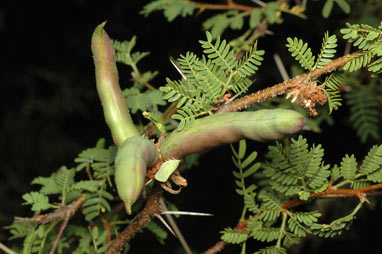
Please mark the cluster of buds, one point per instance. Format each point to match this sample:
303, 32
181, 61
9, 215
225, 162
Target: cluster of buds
307, 96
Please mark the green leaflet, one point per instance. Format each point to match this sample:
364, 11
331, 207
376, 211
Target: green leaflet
133, 158
166, 170
215, 130
116, 113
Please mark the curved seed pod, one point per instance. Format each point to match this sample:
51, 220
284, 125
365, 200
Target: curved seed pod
115, 109
133, 158
215, 130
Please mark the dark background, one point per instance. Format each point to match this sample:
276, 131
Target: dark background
50, 110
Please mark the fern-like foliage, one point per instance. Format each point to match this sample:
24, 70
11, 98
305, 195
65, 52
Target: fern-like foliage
245, 167
328, 49
358, 61
96, 203
137, 97
364, 112
61, 182
297, 171
137, 100
367, 39
207, 79
272, 250
301, 52
328, 6
39, 201
98, 164
171, 8
97, 161
372, 164
331, 90
218, 23
230, 235
219, 52
99, 239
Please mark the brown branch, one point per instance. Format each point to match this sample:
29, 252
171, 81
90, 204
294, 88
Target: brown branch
219, 246
65, 212
283, 87
151, 208
330, 193
62, 213
107, 227
62, 228
229, 6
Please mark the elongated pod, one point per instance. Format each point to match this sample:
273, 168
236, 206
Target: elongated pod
133, 158
215, 130
115, 109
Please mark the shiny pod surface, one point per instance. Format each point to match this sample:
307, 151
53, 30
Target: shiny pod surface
215, 130
115, 109
133, 158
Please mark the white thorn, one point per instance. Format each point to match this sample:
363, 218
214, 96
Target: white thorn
178, 69
187, 213
149, 181
165, 224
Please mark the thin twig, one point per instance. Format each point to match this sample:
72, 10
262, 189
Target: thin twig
328, 193
62, 228
59, 214
173, 224
281, 67
335, 193
229, 6
6, 249
283, 87
216, 248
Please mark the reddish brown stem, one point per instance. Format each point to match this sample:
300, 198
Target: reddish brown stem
62, 228
151, 208
229, 6
59, 214
219, 246
330, 193
107, 227
283, 87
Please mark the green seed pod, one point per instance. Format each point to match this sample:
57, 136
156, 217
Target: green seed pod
215, 130
133, 158
115, 109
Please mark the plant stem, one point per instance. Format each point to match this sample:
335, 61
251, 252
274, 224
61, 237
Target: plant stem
151, 208
282, 230
283, 87
335, 193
